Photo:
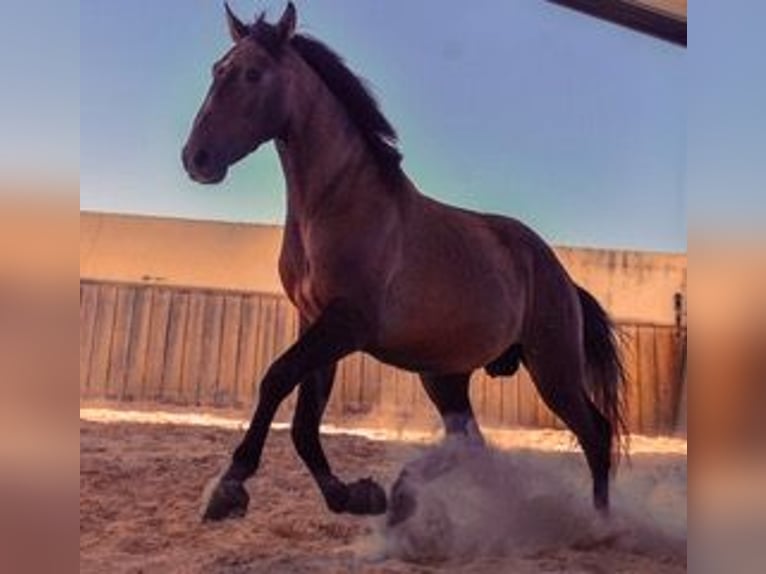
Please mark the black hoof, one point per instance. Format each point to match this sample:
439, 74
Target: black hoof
228, 500
361, 497
366, 496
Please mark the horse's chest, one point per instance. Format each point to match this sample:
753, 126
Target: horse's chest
305, 298
295, 272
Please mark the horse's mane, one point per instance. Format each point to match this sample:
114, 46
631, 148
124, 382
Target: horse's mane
351, 90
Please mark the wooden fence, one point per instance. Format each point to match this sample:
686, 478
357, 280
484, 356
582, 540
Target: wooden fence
189, 346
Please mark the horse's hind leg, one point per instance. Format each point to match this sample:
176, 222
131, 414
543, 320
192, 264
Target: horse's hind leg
361, 497
449, 393
558, 370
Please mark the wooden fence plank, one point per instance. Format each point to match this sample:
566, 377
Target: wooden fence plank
102, 341
138, 346
409, 386
159, 324
352, 384
420, 401
265, 349
370, 384
476, 394
527, 400
633, 392
174, 350
210, 357
118, 356
493, 414
667, 345
509, 391
191, 365
88, 308
647, 370
404, 393
227, 370
387, 407
425, 413
248, 341
279, 329
389, 410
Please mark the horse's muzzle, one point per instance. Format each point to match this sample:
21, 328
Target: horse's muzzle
201, 166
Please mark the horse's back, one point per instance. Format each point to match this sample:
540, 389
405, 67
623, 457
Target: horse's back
461, 294
512, 250
540, 286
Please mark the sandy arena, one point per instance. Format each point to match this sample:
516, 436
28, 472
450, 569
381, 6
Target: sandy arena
142, 473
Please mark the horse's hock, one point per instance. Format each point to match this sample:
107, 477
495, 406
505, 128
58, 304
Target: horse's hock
189, 313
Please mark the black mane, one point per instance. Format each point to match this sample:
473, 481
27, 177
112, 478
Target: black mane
350, 89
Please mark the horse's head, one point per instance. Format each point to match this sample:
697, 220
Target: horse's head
247, 101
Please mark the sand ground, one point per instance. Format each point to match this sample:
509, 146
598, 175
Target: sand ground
141, 476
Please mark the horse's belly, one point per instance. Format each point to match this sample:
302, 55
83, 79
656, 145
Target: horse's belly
446, 348
431, 360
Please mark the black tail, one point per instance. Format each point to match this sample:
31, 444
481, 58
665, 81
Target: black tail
605, 369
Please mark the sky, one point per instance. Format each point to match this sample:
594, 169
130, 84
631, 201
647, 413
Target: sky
573, 125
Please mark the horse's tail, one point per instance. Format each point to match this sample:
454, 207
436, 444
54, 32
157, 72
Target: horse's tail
606, 374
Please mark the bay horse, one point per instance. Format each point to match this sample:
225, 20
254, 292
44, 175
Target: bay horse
373, 265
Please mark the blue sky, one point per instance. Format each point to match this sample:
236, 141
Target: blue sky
573, 125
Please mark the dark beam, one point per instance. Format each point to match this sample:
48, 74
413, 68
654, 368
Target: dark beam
632, 15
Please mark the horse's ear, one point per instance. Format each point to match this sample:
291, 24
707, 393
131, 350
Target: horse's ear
287, 23
237, 29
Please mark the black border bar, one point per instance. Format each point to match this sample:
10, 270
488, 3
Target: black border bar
632, 15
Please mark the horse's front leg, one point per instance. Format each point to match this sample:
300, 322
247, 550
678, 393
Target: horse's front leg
338, 331
360, 497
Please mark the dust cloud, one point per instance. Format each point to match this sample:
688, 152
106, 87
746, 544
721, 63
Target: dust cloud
473, 502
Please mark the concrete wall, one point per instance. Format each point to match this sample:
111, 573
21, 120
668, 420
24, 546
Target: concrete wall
635, 286
179, 252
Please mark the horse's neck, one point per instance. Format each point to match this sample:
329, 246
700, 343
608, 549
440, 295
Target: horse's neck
327, 164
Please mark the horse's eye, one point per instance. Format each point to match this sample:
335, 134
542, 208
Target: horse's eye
253, 75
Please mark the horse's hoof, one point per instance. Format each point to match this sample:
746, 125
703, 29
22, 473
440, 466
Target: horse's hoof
228, 499
366, 496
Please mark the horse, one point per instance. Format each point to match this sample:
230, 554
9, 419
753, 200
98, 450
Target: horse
373, 265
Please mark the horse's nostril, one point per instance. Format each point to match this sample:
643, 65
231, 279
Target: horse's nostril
201, 158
